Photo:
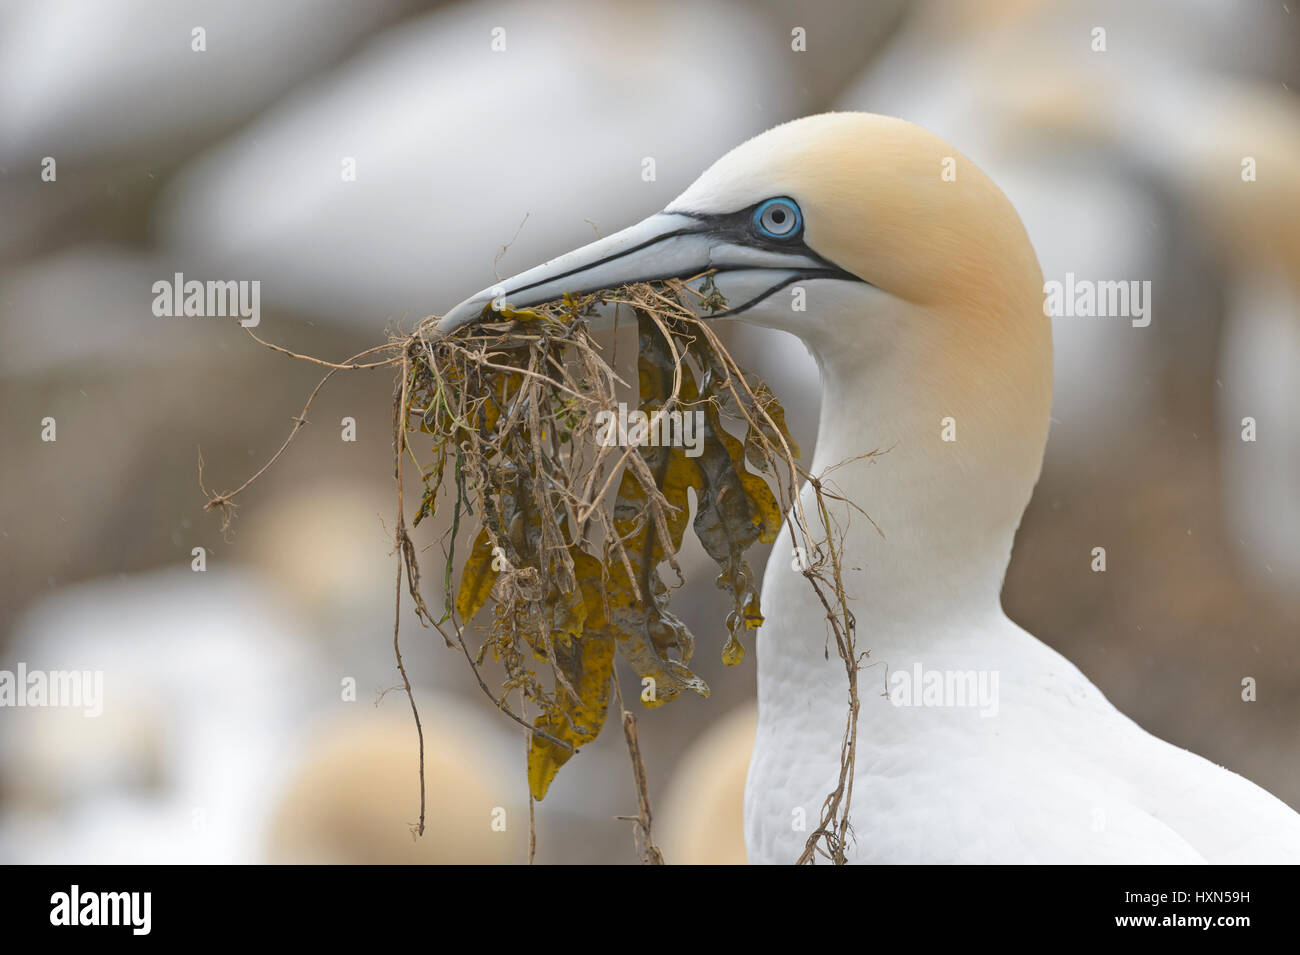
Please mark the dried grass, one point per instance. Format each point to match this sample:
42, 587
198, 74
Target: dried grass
502, 421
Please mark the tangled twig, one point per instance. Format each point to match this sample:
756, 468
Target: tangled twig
569, 529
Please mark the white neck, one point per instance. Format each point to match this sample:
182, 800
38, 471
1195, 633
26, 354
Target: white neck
947, 510
935, 553
927, 591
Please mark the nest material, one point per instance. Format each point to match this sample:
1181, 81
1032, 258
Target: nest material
576, 506
579, 504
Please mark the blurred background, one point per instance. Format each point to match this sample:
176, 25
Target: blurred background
227, 733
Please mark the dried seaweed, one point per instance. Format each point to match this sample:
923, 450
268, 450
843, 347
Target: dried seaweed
566, 525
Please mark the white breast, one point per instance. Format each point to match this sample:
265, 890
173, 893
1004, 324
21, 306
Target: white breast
1055, 775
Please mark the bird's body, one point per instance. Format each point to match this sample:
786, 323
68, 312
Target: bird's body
1057, 775
924, 311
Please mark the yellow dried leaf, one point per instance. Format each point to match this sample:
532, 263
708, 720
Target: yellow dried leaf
476, 579
766, 401
765, 513
501, 391
588, 664
568, 614
769, 403
733, 652
518, 314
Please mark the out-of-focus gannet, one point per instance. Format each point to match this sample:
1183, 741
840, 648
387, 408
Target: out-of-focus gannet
699, 818
925, 314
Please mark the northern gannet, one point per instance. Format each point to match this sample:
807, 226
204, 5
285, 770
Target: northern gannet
349, 796
924, 311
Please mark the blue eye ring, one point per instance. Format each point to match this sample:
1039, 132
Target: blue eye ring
778, 218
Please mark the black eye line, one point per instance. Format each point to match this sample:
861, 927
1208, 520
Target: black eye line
736, 227
739, 226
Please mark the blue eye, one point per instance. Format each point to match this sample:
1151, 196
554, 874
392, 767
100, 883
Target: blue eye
778, 218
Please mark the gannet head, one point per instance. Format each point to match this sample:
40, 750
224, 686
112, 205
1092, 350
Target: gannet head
892, 256
852, 202
744, 219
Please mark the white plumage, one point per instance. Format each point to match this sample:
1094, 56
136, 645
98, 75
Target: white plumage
925, 316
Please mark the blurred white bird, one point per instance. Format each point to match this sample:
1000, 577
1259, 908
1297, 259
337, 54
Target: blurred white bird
448, 123
700, 819
205, 677
352, 794
225, 735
